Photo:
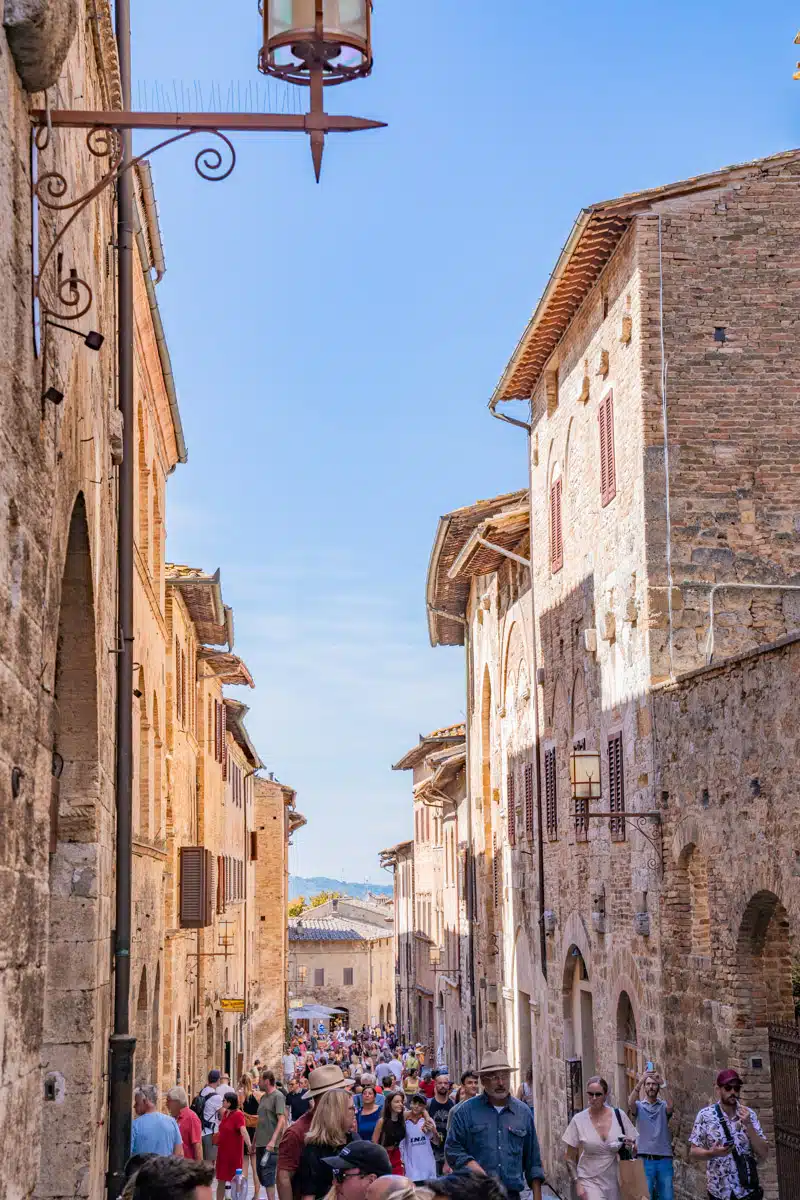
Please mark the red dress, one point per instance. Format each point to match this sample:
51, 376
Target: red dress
230, 1145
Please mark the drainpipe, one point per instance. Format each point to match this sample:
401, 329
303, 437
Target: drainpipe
470, 863
121, 1044
535, 694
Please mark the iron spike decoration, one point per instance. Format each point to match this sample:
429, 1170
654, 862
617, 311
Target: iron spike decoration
232, 122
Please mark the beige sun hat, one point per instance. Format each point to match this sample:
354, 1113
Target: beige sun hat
495, 1060
326, 1079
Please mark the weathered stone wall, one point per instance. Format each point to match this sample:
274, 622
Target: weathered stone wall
727, 750
373, 977
728, 261
271, 917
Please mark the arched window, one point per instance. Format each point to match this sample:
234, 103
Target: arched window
158, 799
145, 744
155, 1029
144, 491
158, 535
629, 1056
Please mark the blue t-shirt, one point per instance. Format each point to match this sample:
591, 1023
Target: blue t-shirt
155, 1133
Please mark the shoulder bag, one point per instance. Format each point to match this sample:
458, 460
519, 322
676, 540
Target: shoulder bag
632, 1179
746, 1168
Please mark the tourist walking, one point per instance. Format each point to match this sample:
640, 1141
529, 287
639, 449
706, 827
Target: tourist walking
153, 1131
170, 1179
290, 1063
321, 1081
331, 1128
188, 1123
469, 1087
231, 1140
593, 1139
368, 1112
356, 1167
727, 1136
650, 1107
525, 1093
210, 1104
269, 1131
296, 1102
248, 1103
439, 1108
494, 1132
416, 1148
390, 1131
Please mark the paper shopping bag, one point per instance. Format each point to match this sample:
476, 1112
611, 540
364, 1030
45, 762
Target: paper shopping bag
632, 1180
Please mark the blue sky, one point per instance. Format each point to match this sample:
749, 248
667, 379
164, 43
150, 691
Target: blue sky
335, 346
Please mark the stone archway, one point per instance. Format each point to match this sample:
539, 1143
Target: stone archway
578, 1008
141, 1069
73, 1143
629, 1055
764, 1002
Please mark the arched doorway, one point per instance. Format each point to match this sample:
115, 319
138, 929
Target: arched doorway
578, 1008
381, 1017
219, 1048
766, 1041
73, 1143
209, 1045
629, 1055
142, 1063
388, 1014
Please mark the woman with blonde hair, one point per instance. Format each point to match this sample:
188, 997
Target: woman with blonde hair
332, 1126
248, 1103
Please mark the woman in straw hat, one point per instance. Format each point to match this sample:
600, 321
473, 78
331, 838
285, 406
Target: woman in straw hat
332, 1126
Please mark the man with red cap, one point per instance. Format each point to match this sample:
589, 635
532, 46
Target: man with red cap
729, 1139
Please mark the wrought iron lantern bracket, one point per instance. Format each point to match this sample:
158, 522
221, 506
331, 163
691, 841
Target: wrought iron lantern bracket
72, 296
648, 824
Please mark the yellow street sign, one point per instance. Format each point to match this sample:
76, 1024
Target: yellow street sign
231, 1004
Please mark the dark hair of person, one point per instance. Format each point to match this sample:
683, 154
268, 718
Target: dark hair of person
163, 1177
392, 1123
598, 1079
469, 1074
135, 1162
268, 1077
232, 1098
467, 1187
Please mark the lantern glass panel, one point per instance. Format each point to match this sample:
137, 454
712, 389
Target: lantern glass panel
584, 773
297, 18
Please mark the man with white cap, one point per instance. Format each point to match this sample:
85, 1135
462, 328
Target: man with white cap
494, 1133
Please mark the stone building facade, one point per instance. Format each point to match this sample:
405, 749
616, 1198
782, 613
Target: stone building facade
276, 819
429, 943
642, 629
61, 445
344, 961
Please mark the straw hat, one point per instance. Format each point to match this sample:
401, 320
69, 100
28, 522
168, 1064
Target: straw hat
326, 1079
495, 1060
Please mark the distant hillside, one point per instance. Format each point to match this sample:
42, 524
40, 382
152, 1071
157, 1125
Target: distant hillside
298, 886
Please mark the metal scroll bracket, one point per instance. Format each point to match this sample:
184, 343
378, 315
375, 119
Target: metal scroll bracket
648, 824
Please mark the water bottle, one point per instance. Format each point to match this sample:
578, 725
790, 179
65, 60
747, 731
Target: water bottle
239, 1186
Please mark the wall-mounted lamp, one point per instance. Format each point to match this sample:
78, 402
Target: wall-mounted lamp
584, 774
92, 339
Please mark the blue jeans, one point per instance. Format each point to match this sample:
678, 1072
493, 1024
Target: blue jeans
659, 1178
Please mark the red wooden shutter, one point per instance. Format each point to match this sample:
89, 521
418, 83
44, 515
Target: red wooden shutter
556, 538
512, 810
529, 799
550, 793
224, 742
608, 469
616, 786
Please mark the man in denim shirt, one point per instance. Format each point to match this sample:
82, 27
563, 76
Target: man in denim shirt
494, 1133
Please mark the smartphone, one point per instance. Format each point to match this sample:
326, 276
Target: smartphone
648, 1066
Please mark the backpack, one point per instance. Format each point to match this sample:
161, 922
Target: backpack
198, 1105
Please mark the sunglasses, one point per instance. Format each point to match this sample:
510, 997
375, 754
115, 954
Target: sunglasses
595, 1094
340, 1175
731, 1087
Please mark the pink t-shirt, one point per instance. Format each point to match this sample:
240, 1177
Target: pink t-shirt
191, 1131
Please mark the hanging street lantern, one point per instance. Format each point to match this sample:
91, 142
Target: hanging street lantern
316, 43
584, 774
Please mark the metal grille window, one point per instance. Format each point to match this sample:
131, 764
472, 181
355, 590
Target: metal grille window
348, 977
529, 800
608, 469
556, 538
616, 786
550, 793
511, 805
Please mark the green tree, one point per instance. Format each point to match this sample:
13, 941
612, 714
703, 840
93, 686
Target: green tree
322, 898
297, 906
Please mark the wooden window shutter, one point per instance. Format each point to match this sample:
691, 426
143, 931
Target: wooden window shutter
178, 713
550, 793
184, 708
608, 469
556, 536
348, 977
220, 883
224, 742
616, 786
529, 800
495, 871
253, 846
216, 731
511, 805
195, 887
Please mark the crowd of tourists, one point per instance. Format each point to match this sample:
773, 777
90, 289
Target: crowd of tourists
358, 1117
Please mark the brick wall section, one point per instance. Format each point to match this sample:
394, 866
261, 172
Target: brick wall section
730, 260
272, 902
732, 809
